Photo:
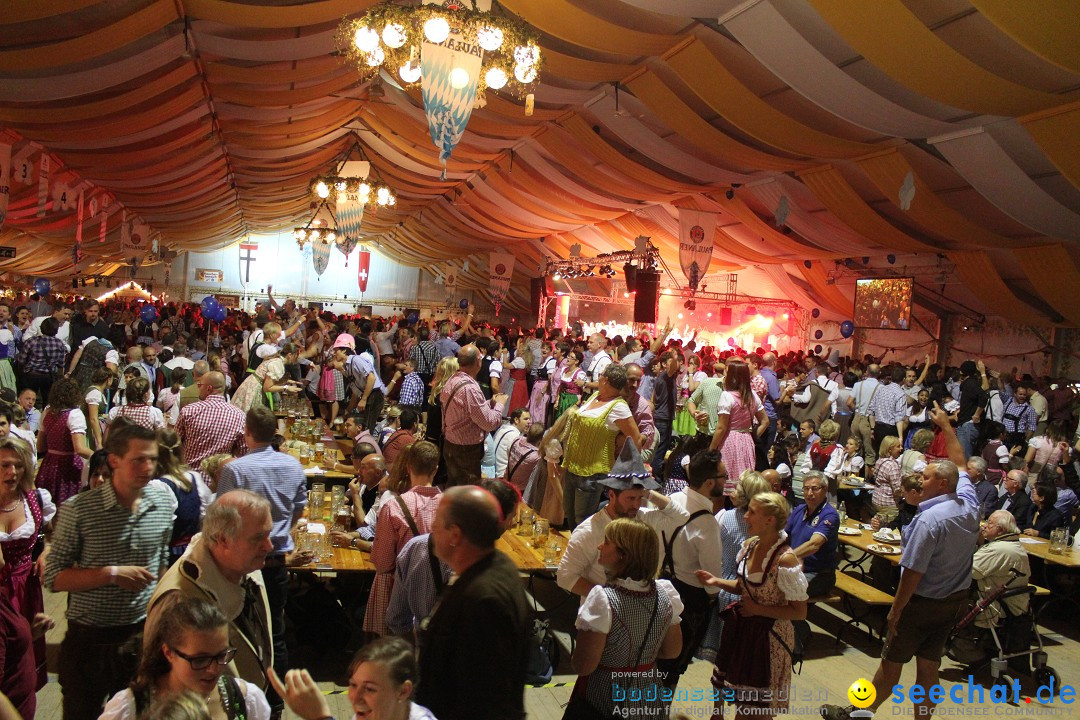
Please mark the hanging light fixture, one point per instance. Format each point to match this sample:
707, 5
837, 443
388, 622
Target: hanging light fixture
454, 51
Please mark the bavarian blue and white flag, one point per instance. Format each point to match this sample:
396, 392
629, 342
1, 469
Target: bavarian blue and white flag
350, 211
448, 108
320, 256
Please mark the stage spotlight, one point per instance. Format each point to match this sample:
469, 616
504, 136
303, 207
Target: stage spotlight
557, 276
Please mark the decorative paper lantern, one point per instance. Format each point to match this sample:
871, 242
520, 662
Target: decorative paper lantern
496, 78
524, 73
393, 35
490, 38
410, 72
366, 39
459, 78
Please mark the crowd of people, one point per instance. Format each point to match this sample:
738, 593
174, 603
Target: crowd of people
141, 474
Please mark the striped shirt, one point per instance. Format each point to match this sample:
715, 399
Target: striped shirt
95, 530
889, 405
467, 415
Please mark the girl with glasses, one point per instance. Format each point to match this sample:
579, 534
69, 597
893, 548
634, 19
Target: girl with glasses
188, 649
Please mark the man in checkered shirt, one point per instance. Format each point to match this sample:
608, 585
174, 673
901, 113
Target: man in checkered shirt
110, 546
212, 425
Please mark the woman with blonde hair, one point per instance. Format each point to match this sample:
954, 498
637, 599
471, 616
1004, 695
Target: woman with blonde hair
624, 626
192, 494
433, 431
736, 412
914, 458
887, 478
758, 634
24, 515
268, 378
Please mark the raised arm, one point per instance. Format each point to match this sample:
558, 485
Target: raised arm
953, 449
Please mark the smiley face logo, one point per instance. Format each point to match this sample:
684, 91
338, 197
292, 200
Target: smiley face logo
862, 693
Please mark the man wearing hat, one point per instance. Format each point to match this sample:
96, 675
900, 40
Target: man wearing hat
368, 390
627, 485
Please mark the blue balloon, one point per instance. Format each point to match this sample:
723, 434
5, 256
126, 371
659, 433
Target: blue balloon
464, 304
818, 334
208, 302
148, 313
846, 328
815, 312
413, 317
219, 313
42, 286
817, 349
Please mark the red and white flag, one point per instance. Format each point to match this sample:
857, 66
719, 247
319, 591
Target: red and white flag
363, 270
43, 185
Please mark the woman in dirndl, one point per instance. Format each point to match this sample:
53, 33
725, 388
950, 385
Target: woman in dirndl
540, 398
24, 513
735, 414
62, 442
260, 385
771, 584
623, 627
519, 372
689, 378
571, 383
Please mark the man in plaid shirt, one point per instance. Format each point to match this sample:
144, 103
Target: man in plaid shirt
412, 386
1018, 417
212, 425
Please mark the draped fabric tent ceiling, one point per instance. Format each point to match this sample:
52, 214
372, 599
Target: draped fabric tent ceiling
208, 119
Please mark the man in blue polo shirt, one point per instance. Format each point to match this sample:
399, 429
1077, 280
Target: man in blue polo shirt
938, 548
812, 534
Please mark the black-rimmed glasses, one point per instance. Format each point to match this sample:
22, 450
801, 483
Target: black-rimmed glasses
201, 662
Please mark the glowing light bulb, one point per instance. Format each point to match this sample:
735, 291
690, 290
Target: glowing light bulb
331, 237
322, 189
410, 72
490, 38
680, 316
375, 57
341, 187
393, 35
496, 78
382, 196
366, 39
436, 30
525, 74
363, 191
526, 54
459, 78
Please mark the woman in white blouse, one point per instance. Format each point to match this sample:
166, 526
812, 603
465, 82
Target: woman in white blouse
624, 626
188, 649
772, 585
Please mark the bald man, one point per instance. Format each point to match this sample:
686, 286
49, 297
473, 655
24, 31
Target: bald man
774, 479
211, 425
481, 627
192, 392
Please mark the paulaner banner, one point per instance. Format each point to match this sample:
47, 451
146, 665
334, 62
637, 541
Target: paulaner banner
696, 231
451, 74
500, 270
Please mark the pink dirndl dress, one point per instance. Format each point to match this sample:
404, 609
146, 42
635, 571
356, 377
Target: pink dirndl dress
738, 451
61, 468
21, 585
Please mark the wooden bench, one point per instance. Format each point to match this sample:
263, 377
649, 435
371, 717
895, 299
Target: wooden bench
868, 597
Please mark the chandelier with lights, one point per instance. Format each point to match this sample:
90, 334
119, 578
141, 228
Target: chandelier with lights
390, 35
350, 190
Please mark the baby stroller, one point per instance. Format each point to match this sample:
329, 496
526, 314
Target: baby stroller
1013, 646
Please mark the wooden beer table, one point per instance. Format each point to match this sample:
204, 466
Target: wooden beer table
527, 558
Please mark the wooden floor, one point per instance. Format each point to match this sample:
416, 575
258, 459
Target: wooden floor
826, 674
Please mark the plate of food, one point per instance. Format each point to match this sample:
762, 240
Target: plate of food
845, 530
887, 535
883, 549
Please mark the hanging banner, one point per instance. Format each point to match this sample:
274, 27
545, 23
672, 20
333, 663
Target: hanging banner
450, 280
209, 275
5, 181
696, 231
500, 270
451, 74
247, 256
350, 211
138, 241
104, 218
78, 225
363, 270
320, 256
43, 185
346, 245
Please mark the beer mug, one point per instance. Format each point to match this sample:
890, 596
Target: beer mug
552, 550
1059, 539
320, 452
526, 521
541, 530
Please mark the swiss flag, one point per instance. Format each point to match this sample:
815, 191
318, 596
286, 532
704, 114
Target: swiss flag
362, 271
